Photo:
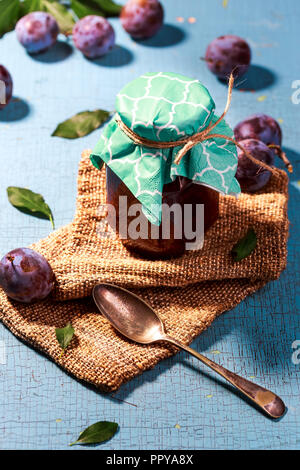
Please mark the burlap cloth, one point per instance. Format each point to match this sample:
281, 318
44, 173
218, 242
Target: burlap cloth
188, 293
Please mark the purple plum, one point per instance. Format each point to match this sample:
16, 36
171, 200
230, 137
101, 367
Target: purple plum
25, 275
37, 31
6, 87
228, 54
93, 36
261, 127
142, 18
251, 176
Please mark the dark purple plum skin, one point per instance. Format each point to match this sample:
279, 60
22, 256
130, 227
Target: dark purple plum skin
37, 31
25, 275
252, 177
94, 36
142, 19
5, 78
228, 54
261, 127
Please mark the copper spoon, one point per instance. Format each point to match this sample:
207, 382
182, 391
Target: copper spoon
136, 320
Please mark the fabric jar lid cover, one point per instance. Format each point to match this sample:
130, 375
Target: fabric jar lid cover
166, 107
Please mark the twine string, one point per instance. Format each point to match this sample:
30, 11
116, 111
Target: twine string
189, 142
281, 154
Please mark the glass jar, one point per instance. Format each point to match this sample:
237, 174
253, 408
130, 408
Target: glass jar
158, 178
181, 191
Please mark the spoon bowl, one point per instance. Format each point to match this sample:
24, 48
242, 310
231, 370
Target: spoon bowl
128, 313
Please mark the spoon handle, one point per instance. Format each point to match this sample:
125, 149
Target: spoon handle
265, 399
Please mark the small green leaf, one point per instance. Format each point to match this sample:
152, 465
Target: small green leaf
65, 335
245, 246
110, 7
81, 124
97, 433
63, 17
29, 203
9, 15
82, 10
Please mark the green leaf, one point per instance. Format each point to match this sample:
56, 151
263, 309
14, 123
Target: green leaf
30, 203
96, 433
9, 15
63, 17
81, 124
64, 335
32, 5
81, 10
245, 246
110, 7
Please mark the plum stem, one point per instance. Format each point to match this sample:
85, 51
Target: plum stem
11, 259
210, 61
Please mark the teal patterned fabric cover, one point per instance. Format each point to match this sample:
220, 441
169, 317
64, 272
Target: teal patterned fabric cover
166, 107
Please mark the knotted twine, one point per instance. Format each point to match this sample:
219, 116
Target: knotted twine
189, 142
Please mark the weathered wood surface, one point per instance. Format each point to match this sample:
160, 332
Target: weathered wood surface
178, 405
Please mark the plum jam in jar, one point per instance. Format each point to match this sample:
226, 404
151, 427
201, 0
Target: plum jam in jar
147, 185
181, 191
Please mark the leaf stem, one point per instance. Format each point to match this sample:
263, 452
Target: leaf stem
73, 443
52, 221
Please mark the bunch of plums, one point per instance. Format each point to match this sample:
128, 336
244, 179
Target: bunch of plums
231, 54
256, 134
25, 275
93, 35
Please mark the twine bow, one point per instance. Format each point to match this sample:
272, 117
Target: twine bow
189, 142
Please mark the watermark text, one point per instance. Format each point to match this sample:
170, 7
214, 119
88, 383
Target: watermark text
296, 353
296, 95
2, 353
2, 92
178, 222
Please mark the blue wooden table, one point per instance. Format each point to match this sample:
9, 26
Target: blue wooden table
179, 404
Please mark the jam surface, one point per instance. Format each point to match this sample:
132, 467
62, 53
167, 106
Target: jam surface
181, 191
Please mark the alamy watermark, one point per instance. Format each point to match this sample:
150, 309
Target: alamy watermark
2, 92
296, 95
296, 353
178, 221
2, 353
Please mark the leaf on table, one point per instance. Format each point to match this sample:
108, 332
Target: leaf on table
245, 246
64, 335
110, 7
63, 17
81, 124
81, 10
9, 15
29, 203
97, 433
